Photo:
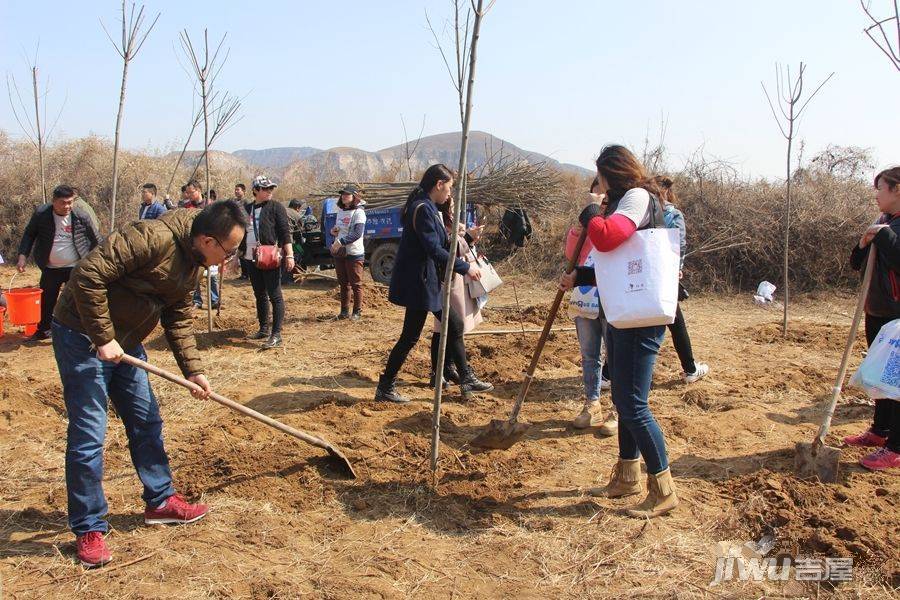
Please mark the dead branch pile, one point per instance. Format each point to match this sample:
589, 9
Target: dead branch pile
513, 184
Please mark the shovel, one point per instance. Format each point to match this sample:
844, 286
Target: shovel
500, 434
336, 458
817, 459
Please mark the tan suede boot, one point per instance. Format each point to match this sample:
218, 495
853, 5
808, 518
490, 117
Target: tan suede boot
610, 424
660, 498
624, 480
586, 417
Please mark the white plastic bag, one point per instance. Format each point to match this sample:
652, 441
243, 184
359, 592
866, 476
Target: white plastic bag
638, 281
879, 373
765, 291
585, 300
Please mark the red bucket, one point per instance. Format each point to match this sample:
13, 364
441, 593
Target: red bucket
24, 307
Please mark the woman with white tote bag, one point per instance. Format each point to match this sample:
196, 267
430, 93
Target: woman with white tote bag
631, 350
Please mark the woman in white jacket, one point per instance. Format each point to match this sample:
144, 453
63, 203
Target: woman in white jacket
348, 250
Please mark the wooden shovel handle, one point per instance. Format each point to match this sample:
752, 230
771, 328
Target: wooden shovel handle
842, 372
545, 333
300, 435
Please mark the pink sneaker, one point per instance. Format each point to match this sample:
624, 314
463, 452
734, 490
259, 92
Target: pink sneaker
866, 439
175, 511
880, 460
92, 550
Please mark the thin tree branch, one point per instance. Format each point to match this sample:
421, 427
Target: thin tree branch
440, 49
813, 95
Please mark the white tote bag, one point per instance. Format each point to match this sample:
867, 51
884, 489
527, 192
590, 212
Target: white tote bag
638, 281
489, 281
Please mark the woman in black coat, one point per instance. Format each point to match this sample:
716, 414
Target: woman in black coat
268, 226
416, 282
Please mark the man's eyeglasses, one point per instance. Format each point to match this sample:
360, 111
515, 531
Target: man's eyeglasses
228, 255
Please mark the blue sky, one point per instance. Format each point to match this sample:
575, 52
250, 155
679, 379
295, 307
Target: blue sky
562, 78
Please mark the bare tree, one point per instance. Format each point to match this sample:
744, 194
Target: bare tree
880, 38
33, 129
462, 38
464, 51
653, 156
789, 93
225, 115
130, 44
406, 147
197, 117
205, 68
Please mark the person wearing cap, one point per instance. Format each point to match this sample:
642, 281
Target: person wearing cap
349, 251
268, 226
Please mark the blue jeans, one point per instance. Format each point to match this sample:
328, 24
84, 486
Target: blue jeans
214, 290
590, 338
632, 355
87, 381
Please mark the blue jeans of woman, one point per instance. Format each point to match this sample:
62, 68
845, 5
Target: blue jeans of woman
631, 354
87, 381
591, 334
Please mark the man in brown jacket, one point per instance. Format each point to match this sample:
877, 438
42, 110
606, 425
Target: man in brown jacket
141, 275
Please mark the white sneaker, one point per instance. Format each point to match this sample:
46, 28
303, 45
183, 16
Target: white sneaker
700, 373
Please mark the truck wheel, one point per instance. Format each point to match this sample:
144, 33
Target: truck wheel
381, 263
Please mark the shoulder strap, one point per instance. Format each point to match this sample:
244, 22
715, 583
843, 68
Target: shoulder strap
654, 203
253, 221
416, 212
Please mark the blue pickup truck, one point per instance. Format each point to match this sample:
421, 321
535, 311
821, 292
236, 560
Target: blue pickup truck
383, 230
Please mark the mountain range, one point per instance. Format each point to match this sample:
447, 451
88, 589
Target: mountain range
354, 164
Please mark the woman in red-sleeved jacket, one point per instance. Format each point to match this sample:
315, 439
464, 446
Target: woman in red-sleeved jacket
633, 204
882, 306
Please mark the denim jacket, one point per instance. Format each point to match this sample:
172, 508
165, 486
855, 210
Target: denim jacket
675, 219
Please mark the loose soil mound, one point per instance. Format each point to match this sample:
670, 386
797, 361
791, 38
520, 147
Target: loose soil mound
855, 519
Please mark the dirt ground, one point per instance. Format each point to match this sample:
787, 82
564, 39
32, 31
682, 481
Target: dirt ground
515, 523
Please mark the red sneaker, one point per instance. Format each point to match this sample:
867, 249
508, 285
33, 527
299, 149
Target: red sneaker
92, 550
175, 511
880, 460
866, 439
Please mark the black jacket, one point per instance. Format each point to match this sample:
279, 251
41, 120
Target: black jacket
41, 228
883, 299
274, 227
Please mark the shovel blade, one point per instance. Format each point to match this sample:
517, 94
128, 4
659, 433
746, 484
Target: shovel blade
817, 460
500, 434
340, 463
